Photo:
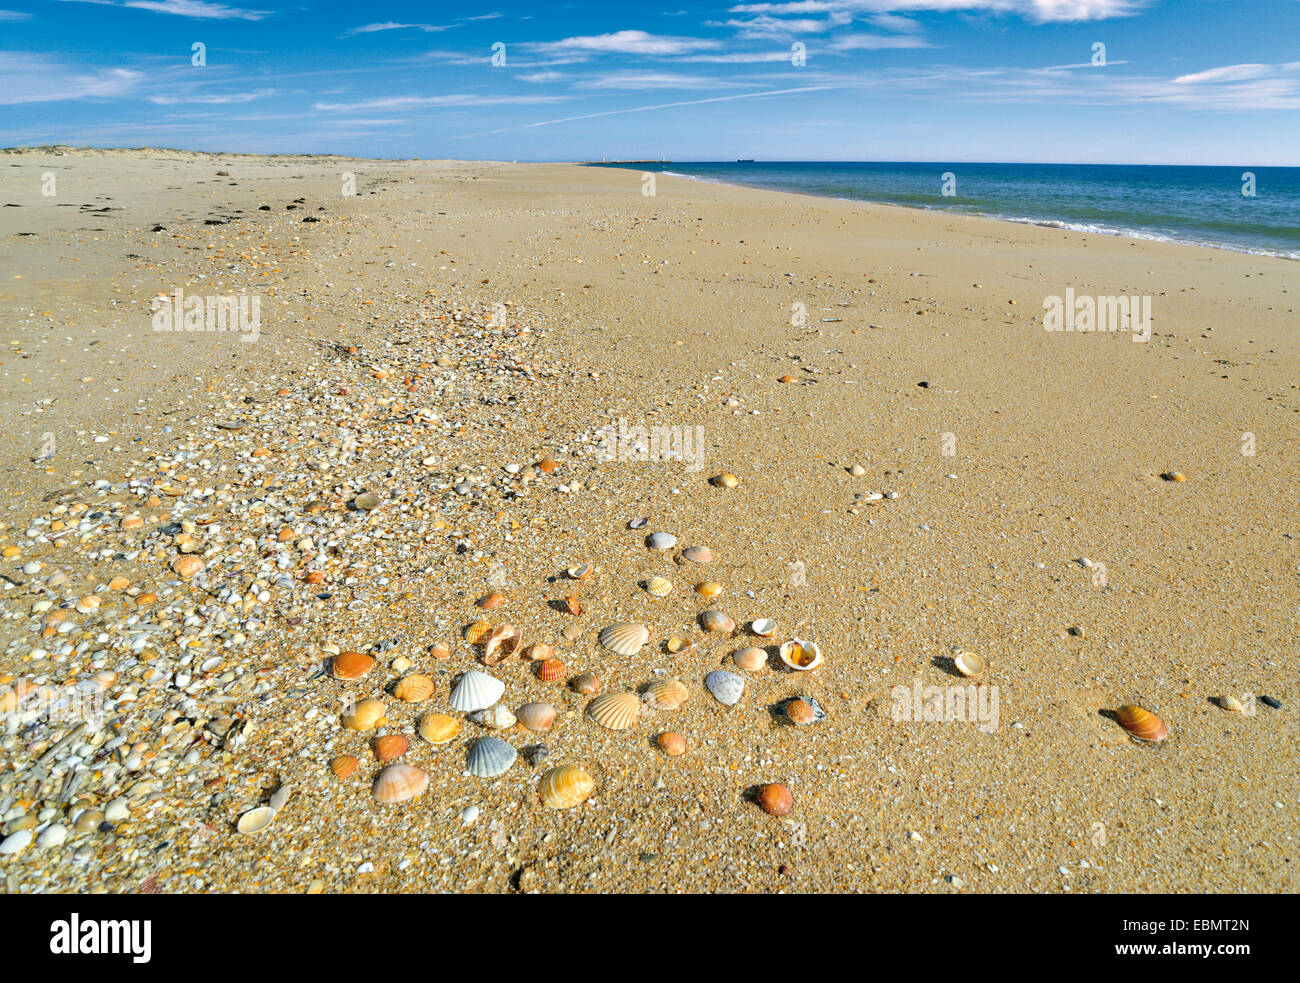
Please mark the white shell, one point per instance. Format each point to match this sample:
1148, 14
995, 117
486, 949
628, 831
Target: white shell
762, 627
726, 687
968, 663
788, 656
255, 820
661, 540
1230, 702
476, 691
490, 756
498, 718
659, 586
625, 639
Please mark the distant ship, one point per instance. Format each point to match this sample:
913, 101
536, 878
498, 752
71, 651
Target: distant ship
744, 160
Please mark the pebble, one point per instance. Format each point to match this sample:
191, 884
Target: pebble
16, 842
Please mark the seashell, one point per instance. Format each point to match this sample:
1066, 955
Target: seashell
724, 480
399, 782
255, 820
537, 717
659, 586
1230, 702
351, 665
586, 684
438, 728
572, 605
708, 588
540, 652
476, 691
775, 799
566, 787
671, 743
489, 757
489, 601
1173, 476
717, 621
626, 639
665, 694
501, 643
475, 632
344, 765
801, 655
366, 715
617, 711
187, 566
413, 688
680, 646
661, 541
698, 554
637, 523
535, 754
803, 710
440, 651
366, 501
750, 659
726, 687
497, 718
762, 627
581, 572
1142, 724
968, 663
390, 747
551, 670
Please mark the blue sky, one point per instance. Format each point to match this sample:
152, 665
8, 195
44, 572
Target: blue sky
1185, 81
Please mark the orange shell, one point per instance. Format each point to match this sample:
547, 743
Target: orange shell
775, 799
390, 746
551, 670
440, 650
475, 632
671, 743
540, 652
351, 665
343, 766
413, 688
1142, 724
547, 466
572, 605
490, 601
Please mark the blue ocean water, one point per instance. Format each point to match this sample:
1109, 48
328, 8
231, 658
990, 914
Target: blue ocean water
1201, 205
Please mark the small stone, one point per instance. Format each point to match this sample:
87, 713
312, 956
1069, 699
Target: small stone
17, 842
1269, 701
857, 470
1076, 631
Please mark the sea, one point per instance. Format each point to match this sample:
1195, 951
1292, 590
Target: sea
1248, 209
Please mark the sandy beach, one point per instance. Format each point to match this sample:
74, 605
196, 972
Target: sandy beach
443, 399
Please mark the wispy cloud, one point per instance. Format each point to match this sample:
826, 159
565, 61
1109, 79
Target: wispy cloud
216, 99
14, 15
394, 26
426, 102
26, 78
201, 9
654, 80
1039, 11
623, 42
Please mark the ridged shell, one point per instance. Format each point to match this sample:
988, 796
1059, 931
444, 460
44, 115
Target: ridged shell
438, 728
497, 718
666, 694
475, 632
726, 687
968, 663
344, 765
390, 747
413, 688
698, 554
617, 711
1142, 724
566, 787
489, 757
627, 639
801, 655
351, 665
501, 643
717, 621
750, 659
659, 586
365, 715
399, 782
537, 717
476, 691
540, 652
255, 820
551, 670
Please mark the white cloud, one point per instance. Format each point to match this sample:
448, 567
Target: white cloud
877, 42
1228, 73
201, 9
623, 42
14, 15
394, 26
1040, 11
26, 78
654, 80
426, 102
219, 99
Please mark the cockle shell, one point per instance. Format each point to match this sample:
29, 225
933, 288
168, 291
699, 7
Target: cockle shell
659, 586
540, 652
351, 665
680, 646
801, 655
399, 782
968, 663
572, 605
1230, 702
762, 627
498, 717
750, 659
551, 670
255, 820
537, 717
717, 621
440, 651
344, 765
665, 694
1142, 724
501, 643
586, 683
626, 639
726, 687
566, 787
671, 743
365, 715
708, 588
803, 710
390, 747
414, 688
476, 691
661, 541
698, 554
489, 757
475, 632
438, 728
616, 711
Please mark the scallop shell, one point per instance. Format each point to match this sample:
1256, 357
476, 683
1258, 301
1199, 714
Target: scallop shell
351, 665
617, 711
551, 670
365, 715
489, 757
659, 586
413, 688
751, 659
665, 694
717, 621
255, 820
726, 687
501, 643
661, 541
537, 717
698, 554
566, 787
399, 782
627, 639
390, 747
438, 728
497, 718
476, 691
475, 632
344, 765
762, 627
1142, 724
801, 655
968, 663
